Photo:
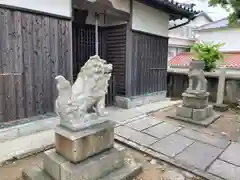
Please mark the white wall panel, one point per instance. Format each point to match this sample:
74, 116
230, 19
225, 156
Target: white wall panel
150, 20
57, 7
228, 36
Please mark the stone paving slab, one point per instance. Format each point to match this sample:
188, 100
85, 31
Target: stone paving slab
205, 138
143, 123
155, 106
225, 170
135, 136
232, 154
199, 155
172, 145
162, 130
121, 116
130, 120
172, 161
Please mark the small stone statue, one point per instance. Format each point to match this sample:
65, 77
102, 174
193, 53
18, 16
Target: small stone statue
87, 93
197, 78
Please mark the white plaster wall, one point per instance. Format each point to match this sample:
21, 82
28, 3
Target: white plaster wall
176, 41
228, 36
150, 20
57, 7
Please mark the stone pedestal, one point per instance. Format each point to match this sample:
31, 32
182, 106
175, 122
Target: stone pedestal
194, 114
195, 109
196, 101
88, 154
79, 145
221, 107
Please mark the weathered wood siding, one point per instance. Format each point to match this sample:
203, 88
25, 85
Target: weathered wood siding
34, 49
1, 96
149, 63
116, 54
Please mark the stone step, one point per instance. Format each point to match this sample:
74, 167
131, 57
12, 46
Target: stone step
108, 165
127, 172
95, 167
60, 168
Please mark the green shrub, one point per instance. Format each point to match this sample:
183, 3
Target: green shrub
209, 53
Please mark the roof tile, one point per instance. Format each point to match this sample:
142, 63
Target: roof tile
231, 59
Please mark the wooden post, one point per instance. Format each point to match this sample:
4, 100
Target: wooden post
97, 49
128, 66
96, 33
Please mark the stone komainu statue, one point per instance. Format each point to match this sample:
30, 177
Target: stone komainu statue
88, 92
197, 80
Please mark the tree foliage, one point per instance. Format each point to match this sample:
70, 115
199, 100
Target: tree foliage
209, 53
232, 6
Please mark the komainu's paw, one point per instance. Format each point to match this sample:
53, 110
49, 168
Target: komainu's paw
105, 113
102, 113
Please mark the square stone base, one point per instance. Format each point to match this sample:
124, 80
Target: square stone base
78, 146
105, 166
194, 114
206, 122
128, 172
204, 116
59, 168
221, 107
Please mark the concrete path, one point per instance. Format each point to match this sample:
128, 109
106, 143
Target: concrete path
206, 155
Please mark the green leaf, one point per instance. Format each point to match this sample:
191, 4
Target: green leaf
209, 53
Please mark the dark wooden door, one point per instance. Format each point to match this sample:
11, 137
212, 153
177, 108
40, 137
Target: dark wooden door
149, 65
84, 47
